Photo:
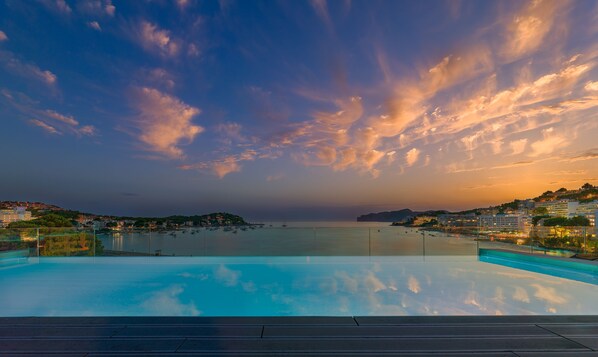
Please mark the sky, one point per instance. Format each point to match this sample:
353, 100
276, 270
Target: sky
295, 109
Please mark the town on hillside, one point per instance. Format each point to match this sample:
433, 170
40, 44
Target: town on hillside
17, 214
562, 218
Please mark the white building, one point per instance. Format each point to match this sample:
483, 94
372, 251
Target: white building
560, 208
504, 223
16, 214
588, 210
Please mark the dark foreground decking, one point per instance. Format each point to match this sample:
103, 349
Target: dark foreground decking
296, 336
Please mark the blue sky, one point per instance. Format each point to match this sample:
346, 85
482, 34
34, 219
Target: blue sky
295, 109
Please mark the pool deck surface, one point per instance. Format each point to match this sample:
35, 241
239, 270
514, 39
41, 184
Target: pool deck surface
449, 336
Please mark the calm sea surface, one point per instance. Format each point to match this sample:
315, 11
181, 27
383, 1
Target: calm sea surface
292, 239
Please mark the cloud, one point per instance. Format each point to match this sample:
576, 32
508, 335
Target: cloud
182, 4
231, 133
551, 141
529, 28
412, 156
157, 77
226, 166
164, 122
586, 155
59, 6
549, 294
156, 40
63, 118
3, 36
226, 276
46, 127
27, 70
518, 146
68, 123
590, 86
167, 302
97, 7
413, 284
520, 294
94, 25
321, 9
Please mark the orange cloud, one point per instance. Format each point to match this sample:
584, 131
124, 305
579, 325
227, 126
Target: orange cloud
164, 122
529, 28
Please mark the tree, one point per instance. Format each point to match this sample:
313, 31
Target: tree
541, 211
536, 219
560, 190
547, 193
587, 186
49, 220
579, 221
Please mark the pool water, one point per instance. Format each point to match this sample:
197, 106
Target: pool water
285, 286
559, 267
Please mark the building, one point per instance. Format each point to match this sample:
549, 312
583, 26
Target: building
560, 208
16, 214
504, 223
588, 210
458, 220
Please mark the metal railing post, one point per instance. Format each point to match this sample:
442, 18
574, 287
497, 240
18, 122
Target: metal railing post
37, 239
94, 242
369, 242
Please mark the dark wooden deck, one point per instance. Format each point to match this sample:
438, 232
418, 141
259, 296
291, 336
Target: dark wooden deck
297, 336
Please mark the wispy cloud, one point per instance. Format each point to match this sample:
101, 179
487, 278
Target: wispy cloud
28, 70
550, 142
528, 29
97, 7
46, 127
67, 123
586, 155
60, 117
224, 166
94, 25
3, 36
156, 40
59, 6
164, 122
321, 9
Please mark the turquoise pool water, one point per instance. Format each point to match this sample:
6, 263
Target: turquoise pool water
284, 286
564, 268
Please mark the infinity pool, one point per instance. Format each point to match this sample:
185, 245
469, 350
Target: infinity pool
285, 286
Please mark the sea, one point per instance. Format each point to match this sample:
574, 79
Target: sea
339, 238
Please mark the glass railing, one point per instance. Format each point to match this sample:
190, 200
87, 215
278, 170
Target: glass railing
233, 241
18, 243
22, 243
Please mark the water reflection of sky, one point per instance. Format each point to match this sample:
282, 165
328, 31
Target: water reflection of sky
295, 286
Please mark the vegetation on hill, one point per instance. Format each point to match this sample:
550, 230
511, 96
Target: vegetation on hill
577, 221
49, 220
388, 216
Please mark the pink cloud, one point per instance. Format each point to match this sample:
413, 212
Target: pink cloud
46, 127
164, 122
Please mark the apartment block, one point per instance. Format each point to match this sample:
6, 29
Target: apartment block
16, 214
504, 223
560, 208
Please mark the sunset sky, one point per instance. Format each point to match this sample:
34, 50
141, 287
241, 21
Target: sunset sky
295, 109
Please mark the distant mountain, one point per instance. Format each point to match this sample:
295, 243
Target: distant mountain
388, 216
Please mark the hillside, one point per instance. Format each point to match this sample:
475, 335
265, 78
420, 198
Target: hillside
388, 216
585, 193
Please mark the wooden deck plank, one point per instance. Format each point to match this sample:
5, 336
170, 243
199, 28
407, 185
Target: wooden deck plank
403, 331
